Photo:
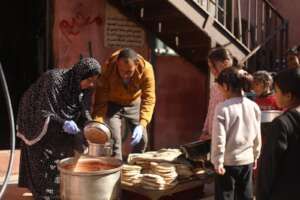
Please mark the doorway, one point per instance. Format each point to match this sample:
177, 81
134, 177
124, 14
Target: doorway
24, 52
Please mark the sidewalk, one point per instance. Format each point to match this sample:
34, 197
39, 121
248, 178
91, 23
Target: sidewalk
13, 192
4, 159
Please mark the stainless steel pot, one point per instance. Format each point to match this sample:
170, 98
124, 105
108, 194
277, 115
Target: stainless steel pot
96, 132
82, 183
269, 115
97, 150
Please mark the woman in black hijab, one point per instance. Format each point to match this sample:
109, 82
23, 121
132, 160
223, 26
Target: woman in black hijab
50, 116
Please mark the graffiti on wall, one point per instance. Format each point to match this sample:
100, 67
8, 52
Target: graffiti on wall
73, 26
77, 30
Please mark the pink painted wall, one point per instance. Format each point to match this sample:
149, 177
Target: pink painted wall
76, 23
181, 102
290, 9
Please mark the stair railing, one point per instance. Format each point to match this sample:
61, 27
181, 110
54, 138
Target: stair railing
257, 25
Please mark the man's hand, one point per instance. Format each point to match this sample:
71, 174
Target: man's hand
220, 170
137, 135
71, 127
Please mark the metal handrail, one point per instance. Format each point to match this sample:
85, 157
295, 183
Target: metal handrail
12, 131
253, 23
256, 49
274, 9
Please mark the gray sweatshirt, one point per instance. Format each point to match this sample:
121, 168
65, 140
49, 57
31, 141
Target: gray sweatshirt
236, 138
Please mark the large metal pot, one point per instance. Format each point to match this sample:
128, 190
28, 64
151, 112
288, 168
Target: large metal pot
269, 115
90, 178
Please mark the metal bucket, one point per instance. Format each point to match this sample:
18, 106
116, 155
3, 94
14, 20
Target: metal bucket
90, 178
269, 115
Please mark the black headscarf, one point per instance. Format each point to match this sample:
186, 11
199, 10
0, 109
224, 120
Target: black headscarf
55, 96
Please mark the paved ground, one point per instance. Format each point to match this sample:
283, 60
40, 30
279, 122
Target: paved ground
13, 192
4, 159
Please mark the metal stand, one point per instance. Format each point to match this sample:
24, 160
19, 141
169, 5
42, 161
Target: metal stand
12, 130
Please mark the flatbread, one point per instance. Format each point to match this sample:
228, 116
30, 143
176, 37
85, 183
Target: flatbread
173, 171
127, 183
153, 181
131, 167
153, 178
163, 187
152, 184
131, 172
165, 167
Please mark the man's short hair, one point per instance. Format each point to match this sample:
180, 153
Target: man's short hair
128, 53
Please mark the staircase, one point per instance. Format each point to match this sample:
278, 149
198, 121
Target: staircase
252, 30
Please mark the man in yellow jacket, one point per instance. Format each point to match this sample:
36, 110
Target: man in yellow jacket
126, 90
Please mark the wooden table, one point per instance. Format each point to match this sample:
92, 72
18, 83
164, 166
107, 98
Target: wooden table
183, 185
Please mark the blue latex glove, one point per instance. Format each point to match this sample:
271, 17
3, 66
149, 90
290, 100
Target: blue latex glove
71, 127
137, 135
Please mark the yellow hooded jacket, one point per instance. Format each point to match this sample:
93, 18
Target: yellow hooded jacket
110, 88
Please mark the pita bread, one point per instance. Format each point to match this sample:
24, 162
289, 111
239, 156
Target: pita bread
146, 180
131, 167
163, 187
165, 171
165, 165
127, 183
153, 178
152, 184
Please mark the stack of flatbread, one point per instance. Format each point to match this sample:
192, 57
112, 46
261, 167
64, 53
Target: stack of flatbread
131, 175
184, 171
144, 164
155, 182
162, 155
166, 170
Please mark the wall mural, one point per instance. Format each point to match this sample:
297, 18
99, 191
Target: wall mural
77, 30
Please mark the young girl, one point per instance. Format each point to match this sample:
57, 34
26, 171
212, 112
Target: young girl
262, 86
236, 139
279, 174
218, 59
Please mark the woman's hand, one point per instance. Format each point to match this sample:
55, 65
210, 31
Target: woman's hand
71, 127
220, 170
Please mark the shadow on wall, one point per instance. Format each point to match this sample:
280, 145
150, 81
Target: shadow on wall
181, 102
